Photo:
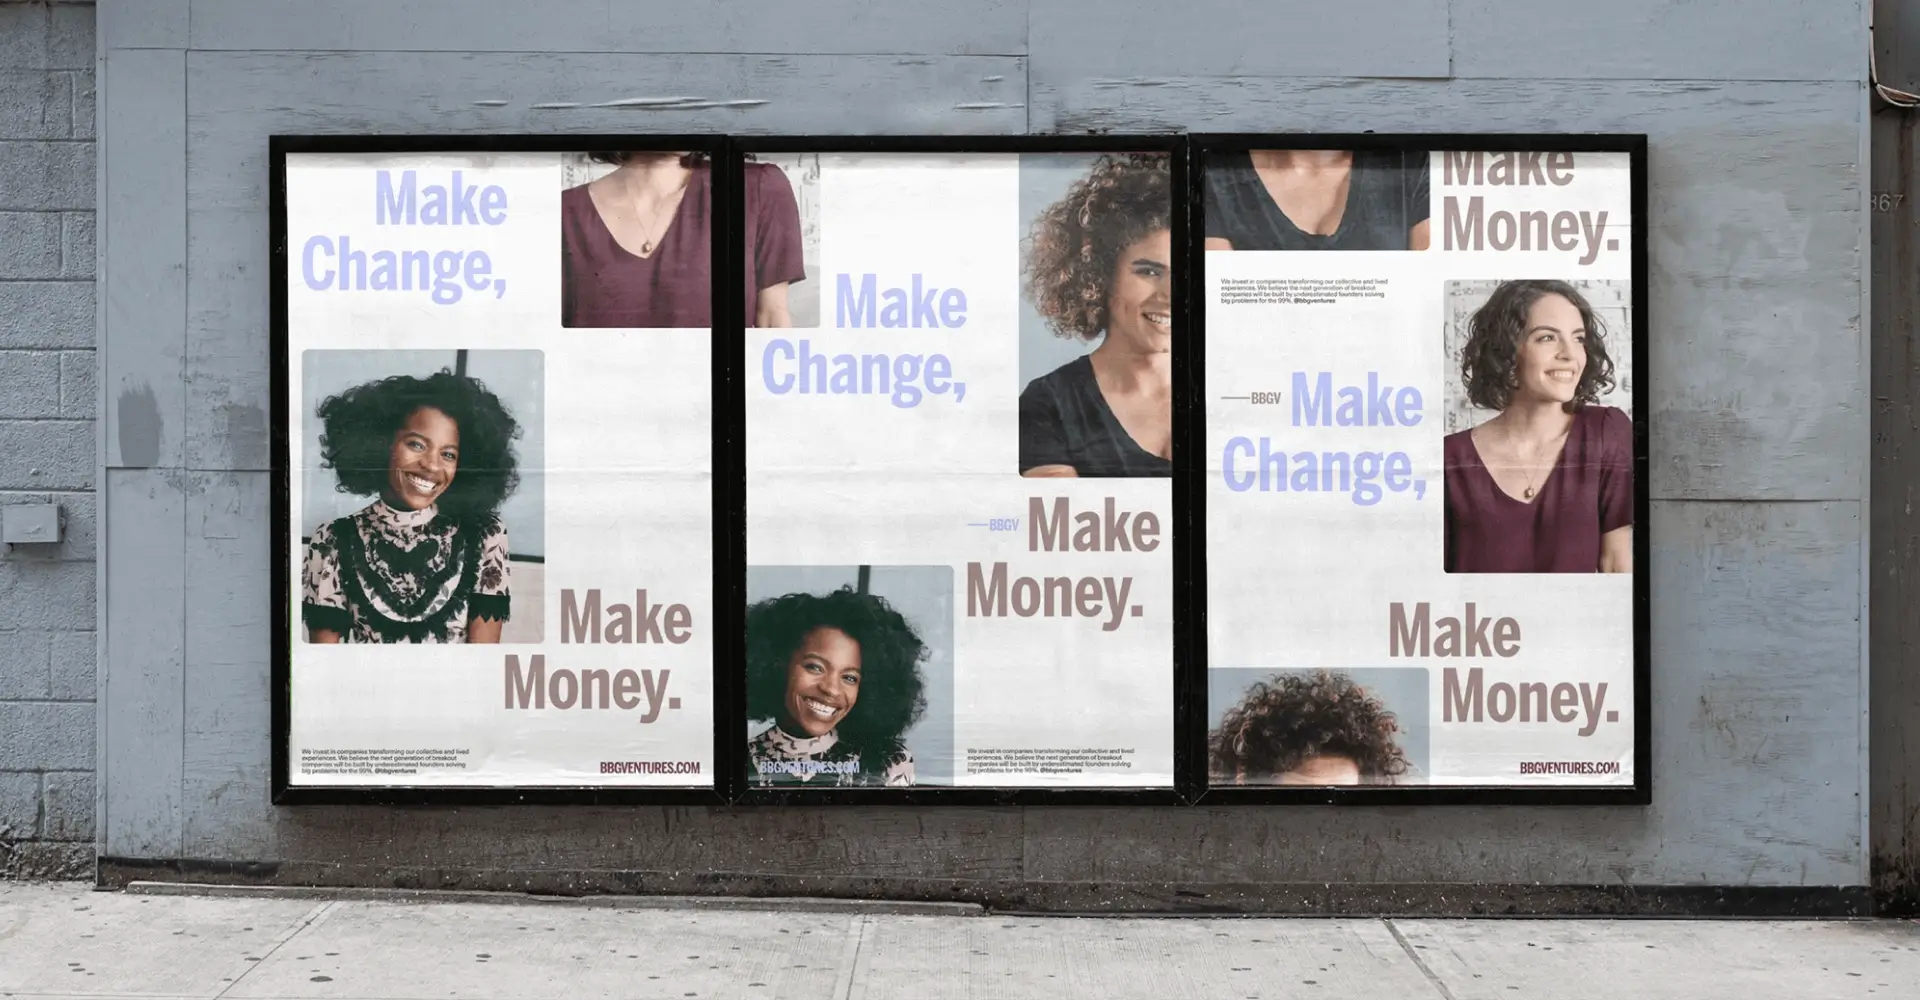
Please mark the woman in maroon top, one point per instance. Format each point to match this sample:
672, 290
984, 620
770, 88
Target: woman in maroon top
635, 245
1547, 485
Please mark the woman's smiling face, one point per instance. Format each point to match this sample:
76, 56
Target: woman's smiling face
424, 456
1553, 352
1140, 295
823, 681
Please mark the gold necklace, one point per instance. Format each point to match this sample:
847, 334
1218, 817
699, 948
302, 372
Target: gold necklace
1525, 469
646, 245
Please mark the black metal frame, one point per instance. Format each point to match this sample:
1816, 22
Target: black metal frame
1185, 625
1188, 537
286, 793
1194, 442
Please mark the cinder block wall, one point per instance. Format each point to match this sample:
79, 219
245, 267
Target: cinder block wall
48, 403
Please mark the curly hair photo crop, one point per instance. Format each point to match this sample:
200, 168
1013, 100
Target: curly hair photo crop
1096, 320
1362, 726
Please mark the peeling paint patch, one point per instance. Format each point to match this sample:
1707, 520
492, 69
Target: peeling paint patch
246, 435
489, 104
645, 102
138, 414
678, 103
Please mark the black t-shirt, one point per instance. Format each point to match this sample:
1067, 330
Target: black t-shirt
1064, 420
1386, 198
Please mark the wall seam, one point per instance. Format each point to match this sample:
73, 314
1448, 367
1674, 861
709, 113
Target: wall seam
102, 676
1865, 346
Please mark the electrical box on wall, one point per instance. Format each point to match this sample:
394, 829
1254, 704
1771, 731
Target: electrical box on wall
30, 524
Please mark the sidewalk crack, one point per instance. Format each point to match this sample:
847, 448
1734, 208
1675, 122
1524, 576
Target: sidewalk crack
312, 917
1418, 962
850, 983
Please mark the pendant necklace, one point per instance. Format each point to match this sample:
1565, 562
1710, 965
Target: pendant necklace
646, 245
1527, 471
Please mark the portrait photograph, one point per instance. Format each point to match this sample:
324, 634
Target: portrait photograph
636, 240
1363, 726
1539, 446
1316, 199
849, 676
421, 518
1096, 320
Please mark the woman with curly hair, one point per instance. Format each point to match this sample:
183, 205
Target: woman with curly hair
1317, 199
1100, 267
427, 560
635, 245
1546, 486
1312, 729
839, 675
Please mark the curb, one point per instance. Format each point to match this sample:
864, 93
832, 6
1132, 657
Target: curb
747, 903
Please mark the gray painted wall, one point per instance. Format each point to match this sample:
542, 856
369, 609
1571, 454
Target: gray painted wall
1757, 114
47, 406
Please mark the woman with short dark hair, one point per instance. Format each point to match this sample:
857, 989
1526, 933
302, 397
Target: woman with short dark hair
1100, 267
427, 560
839, 675
1546, 485
1315, 729
636, 244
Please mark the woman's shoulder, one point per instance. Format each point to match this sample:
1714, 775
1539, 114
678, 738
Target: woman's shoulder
1611, 426
760, 175
332, 529
1607, 420
1074, 373
1459, 443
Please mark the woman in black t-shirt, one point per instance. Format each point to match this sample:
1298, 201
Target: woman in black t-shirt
1312, 199
1100, 267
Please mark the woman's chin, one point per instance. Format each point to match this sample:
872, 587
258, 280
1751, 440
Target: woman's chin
810, 730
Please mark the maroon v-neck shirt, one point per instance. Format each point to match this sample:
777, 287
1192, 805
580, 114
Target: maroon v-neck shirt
1588, 493
604, 285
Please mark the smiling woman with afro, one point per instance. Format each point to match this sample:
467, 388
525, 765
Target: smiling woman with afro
839, 675
427, 560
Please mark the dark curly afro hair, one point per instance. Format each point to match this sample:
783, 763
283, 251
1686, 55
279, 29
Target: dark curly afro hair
892, 692
1286, 719
1075, 244
1493, 344
360, 423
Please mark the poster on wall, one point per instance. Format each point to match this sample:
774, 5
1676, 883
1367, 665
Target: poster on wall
498, 467
1425, 464
958, 403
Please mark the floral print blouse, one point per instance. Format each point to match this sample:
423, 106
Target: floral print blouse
387, 575
781, 759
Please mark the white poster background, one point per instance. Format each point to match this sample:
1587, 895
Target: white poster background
1305, 580
627, 497
848, 479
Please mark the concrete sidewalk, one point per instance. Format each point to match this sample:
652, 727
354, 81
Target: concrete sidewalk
67, 941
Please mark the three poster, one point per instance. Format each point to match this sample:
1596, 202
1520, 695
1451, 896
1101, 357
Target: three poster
960, 469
